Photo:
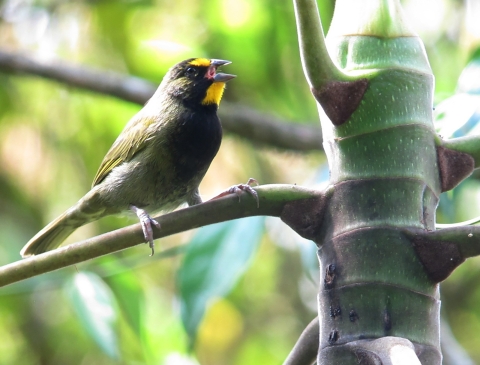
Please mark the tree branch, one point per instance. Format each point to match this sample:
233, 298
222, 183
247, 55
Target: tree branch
242, 121
466, 238
468, 144
318, 67
306, 349
442, 251
272, 200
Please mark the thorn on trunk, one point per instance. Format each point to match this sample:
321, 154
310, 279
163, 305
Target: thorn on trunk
454, 167
339, 99
333, 337
439, 258
305, 216
387, 320
353, 316
329, 276
335, 311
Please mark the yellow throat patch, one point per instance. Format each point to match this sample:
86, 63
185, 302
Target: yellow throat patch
214, 93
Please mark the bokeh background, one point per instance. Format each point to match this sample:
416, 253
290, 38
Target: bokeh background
128, 308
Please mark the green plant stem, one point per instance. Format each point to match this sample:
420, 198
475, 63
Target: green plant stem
318, 66
272, 200
459, 224
467, 239
305, 350
469, 144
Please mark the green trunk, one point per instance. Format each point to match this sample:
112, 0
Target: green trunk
379, 267
384, 178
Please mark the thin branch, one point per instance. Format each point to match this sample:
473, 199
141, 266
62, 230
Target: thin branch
129, 88
318, 66
242, 121
468, 144
459, 224
306, 349
442, 251
466, 238
272, 200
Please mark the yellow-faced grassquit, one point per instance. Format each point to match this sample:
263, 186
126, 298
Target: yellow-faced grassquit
159, 159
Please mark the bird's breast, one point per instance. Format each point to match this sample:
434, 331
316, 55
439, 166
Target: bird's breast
194, 143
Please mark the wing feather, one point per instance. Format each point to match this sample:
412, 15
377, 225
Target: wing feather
132, 140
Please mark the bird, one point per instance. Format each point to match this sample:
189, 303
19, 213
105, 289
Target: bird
158, 160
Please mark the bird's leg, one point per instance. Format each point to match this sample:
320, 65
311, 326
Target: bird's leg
238, 189
146, 221
194, 198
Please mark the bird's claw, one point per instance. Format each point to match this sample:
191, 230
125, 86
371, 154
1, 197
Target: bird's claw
146, 221
238, 189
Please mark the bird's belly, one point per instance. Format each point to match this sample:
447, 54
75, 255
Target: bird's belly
152, 186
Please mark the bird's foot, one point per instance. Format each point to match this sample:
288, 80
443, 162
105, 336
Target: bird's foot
146, 221
238, 189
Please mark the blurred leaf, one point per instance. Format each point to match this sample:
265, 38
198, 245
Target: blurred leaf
469, 80
446, 212
459, 115
214, 260
6, 95
95, 306
308, 255
219, 332
128, 293
111, 17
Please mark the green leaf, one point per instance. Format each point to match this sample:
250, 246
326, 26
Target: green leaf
129, 295
127, 289
458, 116
96, 308
469, 82
215, 259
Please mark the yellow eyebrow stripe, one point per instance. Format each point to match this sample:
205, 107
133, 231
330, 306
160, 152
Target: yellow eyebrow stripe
200, 62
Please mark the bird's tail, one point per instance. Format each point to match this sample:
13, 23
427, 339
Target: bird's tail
54, 233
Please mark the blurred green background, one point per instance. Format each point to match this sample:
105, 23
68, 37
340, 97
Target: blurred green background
257, 279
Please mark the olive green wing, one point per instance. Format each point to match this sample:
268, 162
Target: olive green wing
132, 140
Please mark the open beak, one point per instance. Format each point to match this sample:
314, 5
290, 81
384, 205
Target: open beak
220, 77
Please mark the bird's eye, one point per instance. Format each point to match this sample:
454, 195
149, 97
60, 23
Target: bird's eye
191, 72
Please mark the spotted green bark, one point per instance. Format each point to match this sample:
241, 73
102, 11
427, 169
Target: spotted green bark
384, 178
380, 257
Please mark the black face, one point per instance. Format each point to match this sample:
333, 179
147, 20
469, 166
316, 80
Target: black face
190, 82
193, 72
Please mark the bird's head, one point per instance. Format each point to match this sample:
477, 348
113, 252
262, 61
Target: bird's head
196, 81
